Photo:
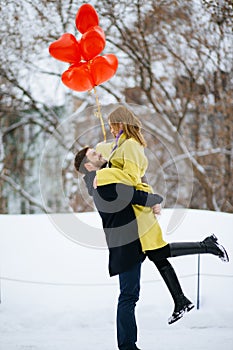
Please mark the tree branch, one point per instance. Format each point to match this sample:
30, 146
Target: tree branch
24, 193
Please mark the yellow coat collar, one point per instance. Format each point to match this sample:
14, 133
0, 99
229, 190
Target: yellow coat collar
121, 140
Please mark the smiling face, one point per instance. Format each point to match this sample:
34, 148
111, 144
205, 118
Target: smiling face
95, 160
115, 128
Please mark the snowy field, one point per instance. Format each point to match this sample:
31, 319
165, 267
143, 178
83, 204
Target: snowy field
56, 294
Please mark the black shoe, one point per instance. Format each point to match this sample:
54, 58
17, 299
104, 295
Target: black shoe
212, 246
183, 305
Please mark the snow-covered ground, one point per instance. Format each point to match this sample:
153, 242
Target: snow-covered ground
56, 294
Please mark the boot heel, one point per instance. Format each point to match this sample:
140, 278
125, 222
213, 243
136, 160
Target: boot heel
211, 242
184, 305
214, 238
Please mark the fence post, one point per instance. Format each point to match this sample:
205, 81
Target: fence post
198, 281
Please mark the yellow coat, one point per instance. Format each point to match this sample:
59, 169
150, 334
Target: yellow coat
128, 166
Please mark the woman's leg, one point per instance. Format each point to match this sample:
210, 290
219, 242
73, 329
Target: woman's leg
182, 304
209, 245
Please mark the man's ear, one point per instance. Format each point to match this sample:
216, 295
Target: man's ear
89, 166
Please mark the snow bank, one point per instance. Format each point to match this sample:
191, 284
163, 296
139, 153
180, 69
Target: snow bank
56, 293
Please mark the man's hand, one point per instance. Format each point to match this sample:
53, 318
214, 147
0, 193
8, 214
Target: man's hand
156, 209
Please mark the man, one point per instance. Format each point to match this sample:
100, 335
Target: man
114, 203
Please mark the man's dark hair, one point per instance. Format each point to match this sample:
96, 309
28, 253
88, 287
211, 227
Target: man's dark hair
80, 159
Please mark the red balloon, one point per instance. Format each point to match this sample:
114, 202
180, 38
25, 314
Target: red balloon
78, 77
92, 43
86, 17
103, 68
66, 49
85, 75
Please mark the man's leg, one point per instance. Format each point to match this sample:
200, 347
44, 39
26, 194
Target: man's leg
129, 295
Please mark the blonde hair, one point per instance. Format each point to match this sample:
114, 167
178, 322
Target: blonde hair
131, 124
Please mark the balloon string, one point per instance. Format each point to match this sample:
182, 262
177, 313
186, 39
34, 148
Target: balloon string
98, 114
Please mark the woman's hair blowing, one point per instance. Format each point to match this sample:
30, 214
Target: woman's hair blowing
131, 124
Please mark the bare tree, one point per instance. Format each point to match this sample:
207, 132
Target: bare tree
175, 67
181, 62
27, 115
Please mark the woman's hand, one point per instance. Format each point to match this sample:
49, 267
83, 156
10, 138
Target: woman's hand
95, 183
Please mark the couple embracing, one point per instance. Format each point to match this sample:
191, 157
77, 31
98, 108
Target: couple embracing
114, 175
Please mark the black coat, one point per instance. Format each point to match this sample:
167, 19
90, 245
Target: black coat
114, 204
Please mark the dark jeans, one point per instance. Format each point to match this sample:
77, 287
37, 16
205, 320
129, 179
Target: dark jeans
129, 295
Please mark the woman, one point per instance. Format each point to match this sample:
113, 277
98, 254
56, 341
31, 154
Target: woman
127, 164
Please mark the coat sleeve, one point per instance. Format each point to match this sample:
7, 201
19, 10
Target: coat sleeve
104, 148
107, 176
134, 164
146, 199
115, 196
130, 195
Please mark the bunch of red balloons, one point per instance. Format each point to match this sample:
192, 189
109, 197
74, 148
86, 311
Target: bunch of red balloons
87, 68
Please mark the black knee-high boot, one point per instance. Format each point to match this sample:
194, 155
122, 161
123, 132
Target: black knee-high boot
208, 245
182, 304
